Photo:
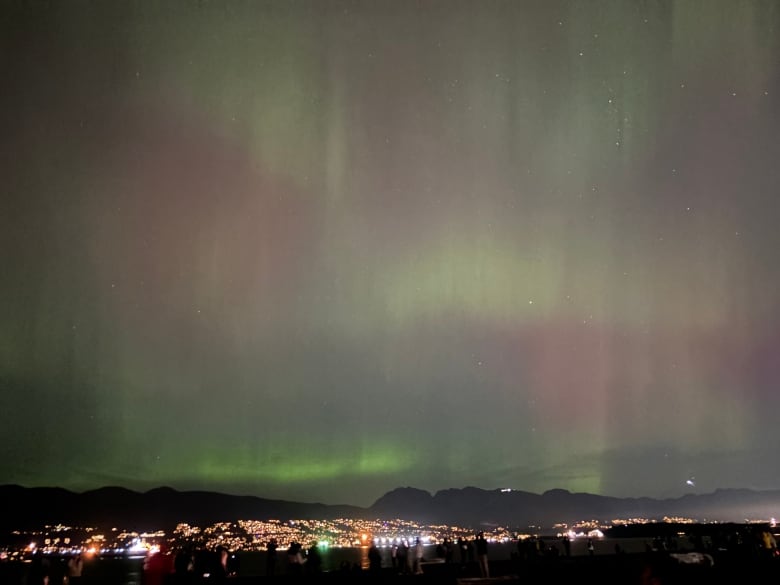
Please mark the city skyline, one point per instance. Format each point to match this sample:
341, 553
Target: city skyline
315, 251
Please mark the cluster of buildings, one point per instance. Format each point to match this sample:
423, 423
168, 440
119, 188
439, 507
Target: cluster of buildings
65, 540
243, 535
254, 535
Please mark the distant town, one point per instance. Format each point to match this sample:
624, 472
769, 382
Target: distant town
254, 535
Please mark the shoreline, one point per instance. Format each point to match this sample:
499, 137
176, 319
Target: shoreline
605, 569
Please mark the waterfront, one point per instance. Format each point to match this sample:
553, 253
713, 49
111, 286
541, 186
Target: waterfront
124, 570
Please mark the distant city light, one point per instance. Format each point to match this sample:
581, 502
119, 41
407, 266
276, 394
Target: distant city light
252, 535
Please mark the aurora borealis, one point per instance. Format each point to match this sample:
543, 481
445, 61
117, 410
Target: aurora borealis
319, 250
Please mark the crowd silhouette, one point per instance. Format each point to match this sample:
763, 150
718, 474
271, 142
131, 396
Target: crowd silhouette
736, 554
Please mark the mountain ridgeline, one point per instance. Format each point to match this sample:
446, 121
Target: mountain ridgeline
162, 508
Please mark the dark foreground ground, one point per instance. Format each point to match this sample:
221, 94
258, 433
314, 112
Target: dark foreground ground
626, 569
623, 569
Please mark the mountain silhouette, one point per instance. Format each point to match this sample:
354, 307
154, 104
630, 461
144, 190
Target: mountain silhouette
162, 508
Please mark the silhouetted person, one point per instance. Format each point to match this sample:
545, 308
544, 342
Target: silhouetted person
180, 563
591, 547
440, 551
234, 564
768, 544
448, 550
74, 569
313, 560
418, 557
522, 549
39, 572
567, 545
482, 555
270, 559
184, 566
157, 567
402, 555
295, 559
462, 550
374, 559
219, 567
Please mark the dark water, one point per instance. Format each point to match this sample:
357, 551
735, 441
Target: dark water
254, 563
108, 571
129, 571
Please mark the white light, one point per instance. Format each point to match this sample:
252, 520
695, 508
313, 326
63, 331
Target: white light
596, 533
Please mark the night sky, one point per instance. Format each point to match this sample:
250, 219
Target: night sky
319, 250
